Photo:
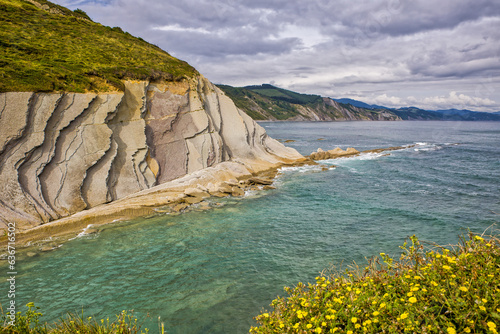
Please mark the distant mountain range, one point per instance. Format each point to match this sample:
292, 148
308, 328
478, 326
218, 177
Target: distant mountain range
267, 102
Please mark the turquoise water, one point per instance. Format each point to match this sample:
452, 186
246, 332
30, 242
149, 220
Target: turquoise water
212, 271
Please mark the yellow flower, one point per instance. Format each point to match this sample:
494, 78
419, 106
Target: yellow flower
323, 324
404, 315
478, 238
282, 325
482, 308
451, 330
463, 288
349, 332
266, 315
382, 305
445, 267
354, 320
368, 322
409, 294
357, 326
375, 313
309, 326
491, 325
318, 330
412, 300
467, 329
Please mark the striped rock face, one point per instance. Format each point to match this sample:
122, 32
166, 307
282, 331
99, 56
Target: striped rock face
61, 153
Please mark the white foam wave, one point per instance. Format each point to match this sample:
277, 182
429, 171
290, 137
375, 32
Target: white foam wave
362, 156
83, 233
301, 169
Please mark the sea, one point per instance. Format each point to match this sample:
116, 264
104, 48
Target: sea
213, 271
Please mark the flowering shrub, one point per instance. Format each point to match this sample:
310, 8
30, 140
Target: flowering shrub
433, 291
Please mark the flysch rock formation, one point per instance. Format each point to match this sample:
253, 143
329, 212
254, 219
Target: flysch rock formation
63, 153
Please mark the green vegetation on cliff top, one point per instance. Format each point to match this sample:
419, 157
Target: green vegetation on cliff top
46, 47
260, 102
263, 102
267, 102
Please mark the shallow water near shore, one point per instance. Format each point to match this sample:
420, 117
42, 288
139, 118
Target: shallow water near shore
212, 271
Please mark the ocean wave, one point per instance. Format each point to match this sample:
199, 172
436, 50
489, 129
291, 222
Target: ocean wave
303, 169
423, 146
360, 157
85, 232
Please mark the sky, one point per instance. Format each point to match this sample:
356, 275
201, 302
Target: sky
397, 53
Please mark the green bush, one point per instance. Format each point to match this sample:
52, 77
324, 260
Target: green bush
436, 290
29, 323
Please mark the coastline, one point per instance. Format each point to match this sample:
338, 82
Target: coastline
229, 178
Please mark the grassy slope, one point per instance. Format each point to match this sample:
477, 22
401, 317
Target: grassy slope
284, 95
64, 51
269, 102
260, 106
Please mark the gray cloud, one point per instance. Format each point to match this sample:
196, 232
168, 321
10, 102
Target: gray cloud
397, 50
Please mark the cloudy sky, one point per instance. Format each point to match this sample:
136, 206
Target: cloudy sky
425, 53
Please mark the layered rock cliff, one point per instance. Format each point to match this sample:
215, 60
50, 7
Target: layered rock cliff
61, 153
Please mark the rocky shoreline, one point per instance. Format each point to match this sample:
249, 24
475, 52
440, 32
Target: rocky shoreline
174, 197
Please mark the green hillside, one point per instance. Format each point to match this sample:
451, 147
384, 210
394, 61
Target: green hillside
260, 106
284, 95
267, 102
46, 47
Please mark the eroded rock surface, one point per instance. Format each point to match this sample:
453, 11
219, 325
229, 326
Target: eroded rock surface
62, 153
333, 154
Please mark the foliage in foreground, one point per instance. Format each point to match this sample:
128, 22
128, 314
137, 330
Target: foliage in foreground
29, 323
425, 291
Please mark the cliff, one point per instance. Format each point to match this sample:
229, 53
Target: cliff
91, 115
267, 102
61, 153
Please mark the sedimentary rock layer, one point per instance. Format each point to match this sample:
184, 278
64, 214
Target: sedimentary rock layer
61, 153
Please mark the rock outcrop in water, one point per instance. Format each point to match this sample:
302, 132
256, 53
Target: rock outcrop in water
333, 154
61, 153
